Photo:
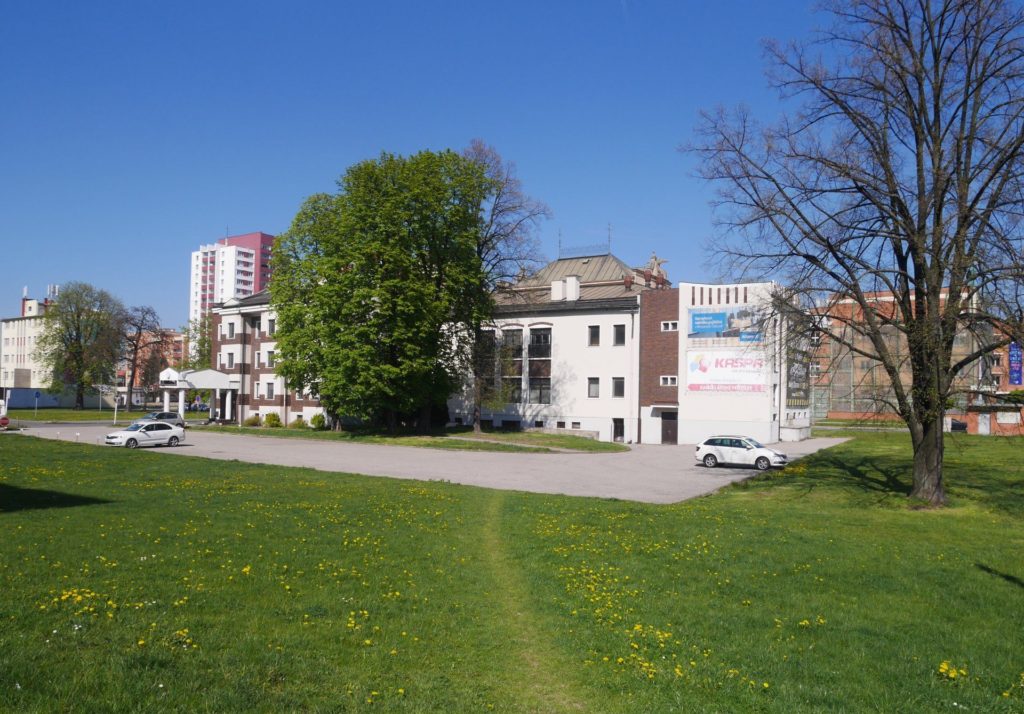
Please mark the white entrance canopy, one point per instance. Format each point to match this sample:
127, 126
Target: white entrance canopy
171, 379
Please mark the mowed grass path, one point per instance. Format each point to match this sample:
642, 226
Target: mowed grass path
134, 582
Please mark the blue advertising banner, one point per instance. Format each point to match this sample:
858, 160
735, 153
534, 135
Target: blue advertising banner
750, 336
1015, 363
701, 322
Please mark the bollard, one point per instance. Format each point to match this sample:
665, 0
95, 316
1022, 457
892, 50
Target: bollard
77, 434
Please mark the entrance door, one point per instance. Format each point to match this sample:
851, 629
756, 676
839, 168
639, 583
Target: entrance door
669, 428
618, 429
984, 423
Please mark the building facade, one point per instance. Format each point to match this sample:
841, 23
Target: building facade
233, 267
244, 349
569, 339
20, 368
714, 360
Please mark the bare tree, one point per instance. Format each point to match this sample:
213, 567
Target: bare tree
143, 337
894, 189
507, 247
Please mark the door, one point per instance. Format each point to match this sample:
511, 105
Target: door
618, 429
669, 428
984, 423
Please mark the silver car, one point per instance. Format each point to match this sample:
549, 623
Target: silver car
151, 433
166, 417
738, 451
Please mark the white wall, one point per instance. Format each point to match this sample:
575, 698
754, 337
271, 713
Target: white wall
729, 382
573, 362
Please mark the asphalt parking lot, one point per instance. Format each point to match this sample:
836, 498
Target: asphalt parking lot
646, 473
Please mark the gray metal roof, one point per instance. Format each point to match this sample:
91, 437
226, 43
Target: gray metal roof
589, 269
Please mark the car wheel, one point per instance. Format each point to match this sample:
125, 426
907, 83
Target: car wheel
710, 461
173, 441
762, 463
131, 443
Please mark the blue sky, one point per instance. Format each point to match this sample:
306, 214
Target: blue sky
132, 132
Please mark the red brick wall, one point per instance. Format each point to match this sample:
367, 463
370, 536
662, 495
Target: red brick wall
659, 351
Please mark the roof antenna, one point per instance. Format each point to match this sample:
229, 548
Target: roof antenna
609, 239
559, 243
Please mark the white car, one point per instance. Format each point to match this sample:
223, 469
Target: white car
148, 433
739, 451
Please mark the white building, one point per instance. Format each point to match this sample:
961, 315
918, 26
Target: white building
723, 366
233, 267
19, 337
570, 345
244, 348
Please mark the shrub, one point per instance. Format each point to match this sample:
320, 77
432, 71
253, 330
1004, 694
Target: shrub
272, 420
298, 423
254, 420
318, 422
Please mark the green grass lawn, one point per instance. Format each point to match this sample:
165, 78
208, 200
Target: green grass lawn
460, 440
62, 415
155, 582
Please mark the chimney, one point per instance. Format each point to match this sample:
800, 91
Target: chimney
628, 280
572, 288
557, 290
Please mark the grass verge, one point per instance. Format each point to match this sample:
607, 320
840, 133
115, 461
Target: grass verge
136, 581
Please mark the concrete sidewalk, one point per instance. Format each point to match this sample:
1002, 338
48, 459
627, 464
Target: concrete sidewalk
646, 473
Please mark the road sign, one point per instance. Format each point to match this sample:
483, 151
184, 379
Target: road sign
4, 421
38, 394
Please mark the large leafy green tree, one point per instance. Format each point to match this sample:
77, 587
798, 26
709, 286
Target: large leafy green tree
374, 286
82, 338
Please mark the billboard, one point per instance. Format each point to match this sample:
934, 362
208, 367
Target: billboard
726, 371
740, 323
1015, 363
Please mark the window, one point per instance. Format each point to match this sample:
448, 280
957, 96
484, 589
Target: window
560, 424
538, 424
271, 326
670, 326
540, 343
593, 387
256, 390
257, 361
270, 390
620, 335
668, 380
231, 330
575, 425
231, 360
618, 386
595, 335
540, 390
270, 358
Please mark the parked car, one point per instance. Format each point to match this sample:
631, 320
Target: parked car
738, 451
167, 417
193, 407
150, 433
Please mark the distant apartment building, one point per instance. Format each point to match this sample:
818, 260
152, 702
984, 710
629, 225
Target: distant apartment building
19, 368
233, 267
848, 384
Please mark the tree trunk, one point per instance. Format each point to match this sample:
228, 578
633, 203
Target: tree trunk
928, 453
79, 395
477, 429
423, 423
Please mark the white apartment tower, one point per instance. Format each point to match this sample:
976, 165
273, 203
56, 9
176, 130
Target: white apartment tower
233, 267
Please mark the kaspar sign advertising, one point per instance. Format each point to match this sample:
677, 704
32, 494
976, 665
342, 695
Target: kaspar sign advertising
725, 371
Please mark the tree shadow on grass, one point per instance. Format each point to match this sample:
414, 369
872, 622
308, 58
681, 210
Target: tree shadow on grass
14, 498
1012, 579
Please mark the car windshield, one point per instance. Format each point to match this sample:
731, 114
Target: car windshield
134, 427
755, 443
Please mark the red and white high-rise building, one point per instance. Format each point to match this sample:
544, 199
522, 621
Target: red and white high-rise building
233, 267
